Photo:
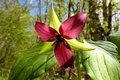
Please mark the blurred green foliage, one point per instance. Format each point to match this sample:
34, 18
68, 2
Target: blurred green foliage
15, 34
115, 38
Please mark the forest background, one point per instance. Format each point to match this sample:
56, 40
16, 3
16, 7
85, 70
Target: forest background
17, 19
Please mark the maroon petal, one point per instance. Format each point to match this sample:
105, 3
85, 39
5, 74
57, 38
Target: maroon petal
73, 26
45, 32
64, 55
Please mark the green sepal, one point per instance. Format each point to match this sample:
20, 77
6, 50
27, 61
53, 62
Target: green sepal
54, 21
76, 45
48, 46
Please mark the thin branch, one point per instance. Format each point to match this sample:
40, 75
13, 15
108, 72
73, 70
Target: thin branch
69, 8
39, 7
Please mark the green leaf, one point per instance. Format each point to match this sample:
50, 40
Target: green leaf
30, 64
54, 21
100, 64
108, 46
115, 38
76, 45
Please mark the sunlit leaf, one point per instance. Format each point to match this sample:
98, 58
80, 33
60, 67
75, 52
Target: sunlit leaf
30, 64
100, 64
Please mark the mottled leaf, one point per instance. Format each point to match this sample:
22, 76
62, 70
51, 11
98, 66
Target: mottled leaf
108, 46
100, 64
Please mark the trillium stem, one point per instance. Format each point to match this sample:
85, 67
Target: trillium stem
78, 65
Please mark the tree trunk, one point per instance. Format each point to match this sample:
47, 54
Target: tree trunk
95, 29
107, 14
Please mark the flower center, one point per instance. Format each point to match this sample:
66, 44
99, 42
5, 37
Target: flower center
59, 38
